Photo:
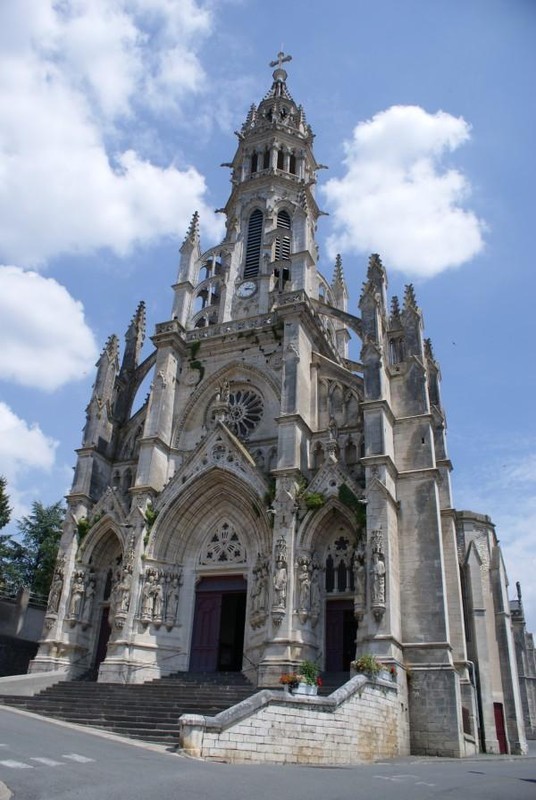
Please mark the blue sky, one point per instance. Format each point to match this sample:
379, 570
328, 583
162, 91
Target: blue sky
115, 118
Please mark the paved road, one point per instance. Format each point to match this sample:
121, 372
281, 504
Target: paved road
43, 760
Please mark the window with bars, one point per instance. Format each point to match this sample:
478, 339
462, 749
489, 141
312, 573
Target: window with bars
253, 248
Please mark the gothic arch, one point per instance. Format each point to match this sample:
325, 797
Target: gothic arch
103, 543
181, 529
319, 525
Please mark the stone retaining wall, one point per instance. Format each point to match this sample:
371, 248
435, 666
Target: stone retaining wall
361, 721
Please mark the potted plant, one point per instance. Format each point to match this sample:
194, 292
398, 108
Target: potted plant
367, 664
289, 681
308, 678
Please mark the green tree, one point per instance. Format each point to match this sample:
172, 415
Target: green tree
34, 557
5, 510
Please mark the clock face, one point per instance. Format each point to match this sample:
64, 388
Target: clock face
247, 289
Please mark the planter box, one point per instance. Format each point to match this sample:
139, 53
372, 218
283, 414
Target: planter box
306, 688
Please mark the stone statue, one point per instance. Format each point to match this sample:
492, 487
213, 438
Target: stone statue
359, 577
157, 601
55, 593
280, 584
172, 601
78, 590
88, 601
378, 579
147, 597
304, 584
123, 592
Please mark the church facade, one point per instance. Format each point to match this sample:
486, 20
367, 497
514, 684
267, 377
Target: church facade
274, 500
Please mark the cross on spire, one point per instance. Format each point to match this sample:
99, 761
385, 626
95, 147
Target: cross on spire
281, 59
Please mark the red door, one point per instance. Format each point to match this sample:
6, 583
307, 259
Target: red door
218, 634
499, 727
205, 640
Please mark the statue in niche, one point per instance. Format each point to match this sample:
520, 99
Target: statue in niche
378, 579
280, 584
304, 584
55, 593
172, 601
157, 601
123, 588
360, 574
78, 590
147, 597
88, 601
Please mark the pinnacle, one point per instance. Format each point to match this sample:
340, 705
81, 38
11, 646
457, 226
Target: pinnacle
338, 273
395, 307
428, 349
111, 347
375, 264
192, 234
409, 297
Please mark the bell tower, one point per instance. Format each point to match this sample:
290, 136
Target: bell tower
269, 247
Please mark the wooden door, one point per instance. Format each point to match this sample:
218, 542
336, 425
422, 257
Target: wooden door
500, 728
341, 628
206, 635
219, 619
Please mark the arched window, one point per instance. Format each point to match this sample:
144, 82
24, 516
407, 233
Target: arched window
292, 164
282, 243
266, 159
254, 161
280, 160
253, 249
283, 219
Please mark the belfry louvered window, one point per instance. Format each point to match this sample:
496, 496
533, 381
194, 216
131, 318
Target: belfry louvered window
253, 249
282, 243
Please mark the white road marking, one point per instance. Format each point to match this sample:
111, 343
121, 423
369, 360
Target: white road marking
423, 783
16, 764
48, 762
77, 758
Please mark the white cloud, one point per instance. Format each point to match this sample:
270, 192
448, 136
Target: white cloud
22, 446
45, 339
75, 78
396, 197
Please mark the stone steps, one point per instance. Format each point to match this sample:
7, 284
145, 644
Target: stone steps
147, 711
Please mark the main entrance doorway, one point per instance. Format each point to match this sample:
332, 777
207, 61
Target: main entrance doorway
219, 619
341, 629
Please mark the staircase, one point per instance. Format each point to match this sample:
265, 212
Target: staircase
148, 711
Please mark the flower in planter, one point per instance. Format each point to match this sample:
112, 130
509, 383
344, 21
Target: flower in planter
367, 663
392, 671
289, 679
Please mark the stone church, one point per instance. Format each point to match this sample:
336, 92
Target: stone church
274, 500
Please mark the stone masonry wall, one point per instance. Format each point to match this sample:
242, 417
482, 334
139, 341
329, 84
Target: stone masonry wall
361, 721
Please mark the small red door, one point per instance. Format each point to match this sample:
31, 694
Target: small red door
499, 727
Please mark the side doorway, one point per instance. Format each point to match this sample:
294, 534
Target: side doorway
219, 621
341, 629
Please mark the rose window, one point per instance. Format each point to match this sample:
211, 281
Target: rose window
244, 411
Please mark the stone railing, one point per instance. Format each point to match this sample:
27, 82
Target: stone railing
359, 722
